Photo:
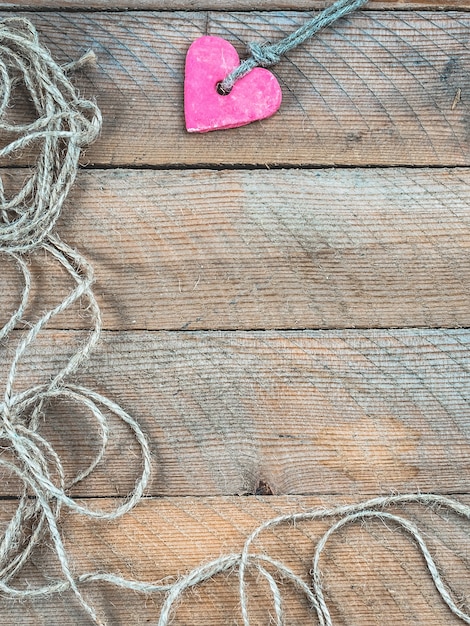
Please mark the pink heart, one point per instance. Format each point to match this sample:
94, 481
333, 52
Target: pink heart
253, 97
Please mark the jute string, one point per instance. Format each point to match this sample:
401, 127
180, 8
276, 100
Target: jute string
65, 123
267, 55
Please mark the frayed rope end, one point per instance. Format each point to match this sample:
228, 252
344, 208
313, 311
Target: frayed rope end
89, 59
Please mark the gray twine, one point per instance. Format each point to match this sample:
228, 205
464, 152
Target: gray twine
64, 124
265, 55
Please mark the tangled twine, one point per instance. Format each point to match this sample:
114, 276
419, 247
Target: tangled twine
65, 123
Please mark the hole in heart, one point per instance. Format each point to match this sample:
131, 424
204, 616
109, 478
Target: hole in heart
221, 91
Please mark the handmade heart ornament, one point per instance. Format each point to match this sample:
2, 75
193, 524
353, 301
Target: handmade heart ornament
254, 97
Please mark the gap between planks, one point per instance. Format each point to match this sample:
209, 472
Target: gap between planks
223, 5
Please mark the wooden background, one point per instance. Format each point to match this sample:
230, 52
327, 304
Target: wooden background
286, 305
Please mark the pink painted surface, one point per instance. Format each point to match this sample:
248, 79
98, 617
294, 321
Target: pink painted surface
254, 97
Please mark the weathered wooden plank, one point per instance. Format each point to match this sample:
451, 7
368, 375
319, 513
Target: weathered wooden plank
378, 88
264, 249
220, 5
373, 575
320, 412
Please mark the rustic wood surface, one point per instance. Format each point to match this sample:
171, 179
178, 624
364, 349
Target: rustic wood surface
381, 88
348, 412
220, 5
373, 575
258, 249
287, 337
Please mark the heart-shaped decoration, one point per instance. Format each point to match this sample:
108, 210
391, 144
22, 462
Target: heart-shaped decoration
253, 97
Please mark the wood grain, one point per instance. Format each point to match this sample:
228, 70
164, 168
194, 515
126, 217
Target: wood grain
373, 575
263, 249
321, 416
221, 5
343, 412
379, 88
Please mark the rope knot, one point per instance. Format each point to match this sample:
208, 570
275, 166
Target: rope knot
264, 54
